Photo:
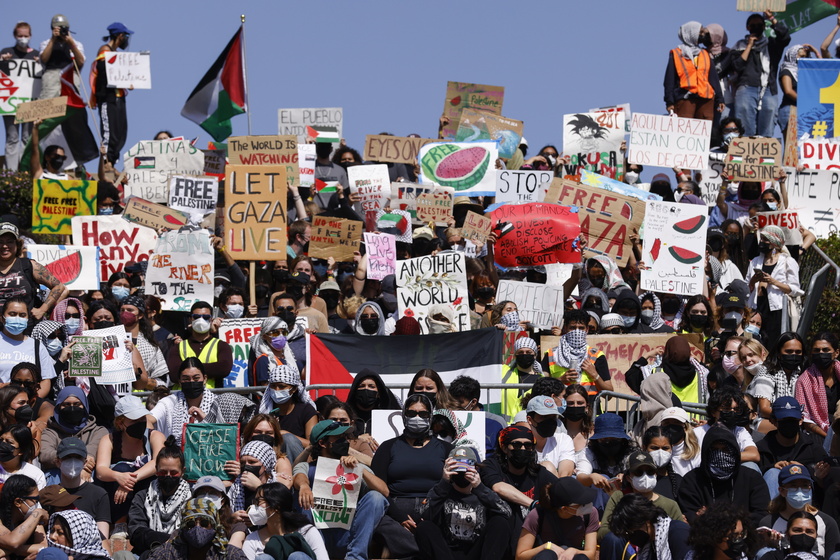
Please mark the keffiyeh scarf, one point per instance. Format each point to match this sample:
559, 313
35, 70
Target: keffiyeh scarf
789, 62
511, 321
164, 512
659, 548
525, 342
180, 412
657, 322
571, 348
202, 507
280, 373
266, 455
87, 542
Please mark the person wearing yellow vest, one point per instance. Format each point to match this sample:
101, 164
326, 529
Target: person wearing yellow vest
573, 361
526, 369
692, 87
215, 354
687, 375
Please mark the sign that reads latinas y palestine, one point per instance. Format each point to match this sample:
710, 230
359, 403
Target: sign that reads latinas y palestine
255, 211
207, 447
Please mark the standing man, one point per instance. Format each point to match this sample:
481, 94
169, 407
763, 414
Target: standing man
113, 120
57, 52
54, 158
17, 139
215, 354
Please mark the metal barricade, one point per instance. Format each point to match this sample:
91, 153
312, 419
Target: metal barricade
404, 388
815, 273
627, 406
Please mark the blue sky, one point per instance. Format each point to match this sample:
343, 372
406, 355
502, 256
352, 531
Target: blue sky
386, 62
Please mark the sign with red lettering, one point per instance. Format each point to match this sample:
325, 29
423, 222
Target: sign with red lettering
255, 211
753, 159
118, 241
436, 206
785, 219
593, 141
535, 234
238, 333
669, 141
372, 184
266, 150
180, 272
607, 219
336, 238
75, 267
476, 228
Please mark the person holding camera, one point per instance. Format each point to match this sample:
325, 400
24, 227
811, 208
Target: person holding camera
57, 52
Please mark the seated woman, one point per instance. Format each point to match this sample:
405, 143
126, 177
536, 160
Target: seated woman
265, 428
125, 460
653, 532
74, 532
363, 446
685, 450
18, 347
367, 393
270, 346
577, 418
28, 376
781, 371
22, 521
818, 388
71, 418
257, 460
286, 399
657, 442
200, 534
428, 382
14, 402
17, 449
801, 534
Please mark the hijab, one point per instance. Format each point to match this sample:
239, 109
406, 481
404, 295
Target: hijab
719, 39
656, 323
689, 34
62, 396
789, 62
676, 361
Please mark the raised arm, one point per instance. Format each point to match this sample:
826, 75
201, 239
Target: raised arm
58, 291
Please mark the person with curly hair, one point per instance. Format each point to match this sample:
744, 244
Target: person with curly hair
723, 532
647, 529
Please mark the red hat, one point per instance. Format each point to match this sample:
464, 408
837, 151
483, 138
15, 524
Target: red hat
407, 325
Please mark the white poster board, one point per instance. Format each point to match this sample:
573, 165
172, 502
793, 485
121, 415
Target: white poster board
522, 185
150, 163
431, 285
541, 304
180, 271
117, 366
669, 141
674, 248
193, 195
118, 240
74, 266
295, 121
129, 70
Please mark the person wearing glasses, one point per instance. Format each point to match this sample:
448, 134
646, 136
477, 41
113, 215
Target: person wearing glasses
193, 403
285, 399
215, 354
20, 515
270, 346
201, 535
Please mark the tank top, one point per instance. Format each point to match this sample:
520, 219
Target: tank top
18, 282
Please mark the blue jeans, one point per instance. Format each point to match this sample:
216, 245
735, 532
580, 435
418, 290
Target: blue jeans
370, 510
771, 477
783, 118
292, 446
757, 122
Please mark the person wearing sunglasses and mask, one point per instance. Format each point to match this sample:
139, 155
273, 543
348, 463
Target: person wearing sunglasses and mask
71, 418
28, 376
817, 387
555, 450
193, 403
22, 516
726, 409
269, 347
257, 462
215, 354
286, 399
525, 369
265, 428
201, 534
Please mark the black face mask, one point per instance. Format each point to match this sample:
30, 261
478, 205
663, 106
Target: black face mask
288, 317
103, 324
485, 292
370, 325
733, 241
673, 432
764, 247
802, 542
757, 30
253, 469
729, 419
716, 244
525, 361
7, 451
459, 480
611, 449
698, 321
168, 484
639, 538
736, 549
790, 361
265, 438
296, 291
57, 162
136, 430
192, 389
330, 300
367, 398
72, 416
521, 458
789, 427
546, 428
280, 275
23, 415
340, 448
261, 292
705, 40
822, 359
597, 282
574, 413
670, 306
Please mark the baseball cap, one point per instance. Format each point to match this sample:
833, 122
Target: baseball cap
567, 491
56, 496
640, 459
329, 285
7, 227
131, 407
794, 472
787, 407
542, 405
116, 28
213, 482
733, 300
423, 233
675, 414
464, 453
71, 446
326, 428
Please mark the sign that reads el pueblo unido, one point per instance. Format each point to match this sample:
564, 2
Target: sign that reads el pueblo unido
180, 272
148, 165
535, 234
295, 121
431, 286
255, 211
674, 247
669, 141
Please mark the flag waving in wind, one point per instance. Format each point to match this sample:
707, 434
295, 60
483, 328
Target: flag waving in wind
221, 93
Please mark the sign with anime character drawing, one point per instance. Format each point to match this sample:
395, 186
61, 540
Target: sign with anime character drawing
593, 141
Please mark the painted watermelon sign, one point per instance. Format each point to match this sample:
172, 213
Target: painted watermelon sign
75, 266
535, 234
674, 247
468, 167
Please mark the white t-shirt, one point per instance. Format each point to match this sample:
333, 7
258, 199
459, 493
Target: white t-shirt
29, 470
13, 352
558, 448
680, 465
743, 437
253, 545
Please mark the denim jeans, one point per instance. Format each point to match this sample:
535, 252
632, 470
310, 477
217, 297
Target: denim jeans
370, 510
292, 446
771, 477
756, 122
17, 135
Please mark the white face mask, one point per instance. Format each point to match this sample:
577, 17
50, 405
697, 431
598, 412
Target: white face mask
234, 311
755, 368
678, 195
280, 396
22, 42
643, 482
660, 457
217, 500
257, 515
200, 326
72, 467
772, 205
631, 177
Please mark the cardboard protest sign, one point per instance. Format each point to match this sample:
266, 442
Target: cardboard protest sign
468, 167
193, 195
207, 447
761, 5
86, 357
395, 222
388, 424
117, 368
669, 141
382, 255
521, 185
156, 216
336, 238
476, 228
306, 164
294, 121
817, 123
593, 141
118, 241
461, 95
476, 125
148, 165
74, 266
266, 150
385, 148
785, 219
552, 194
624, 108
55, 202
791, 156
180, 272
129, 70
31, 111
541, 304
255, 211
535, 234
595, 180
815, 197
372, 184
214, 163
238, 333
607, 219
753, 159
335, 493
404, 197
20, 81
674, 248
436, 206
433, 285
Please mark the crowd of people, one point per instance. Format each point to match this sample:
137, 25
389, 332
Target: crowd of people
86, 466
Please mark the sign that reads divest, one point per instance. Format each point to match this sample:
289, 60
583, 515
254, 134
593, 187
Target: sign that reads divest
434, 285
148, 165
753, 159
180, 272
336, 238
118, 241
381, 250
669, 141
535, 234
207, 447
255, 211
76, 267
20, 81
785, 219
521, 185
674, 248
238, 333
55, 202
385, 148
294, 121
540, 304
193, 195
266, 150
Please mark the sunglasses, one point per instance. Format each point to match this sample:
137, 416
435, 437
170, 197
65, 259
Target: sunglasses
72, 315
287, 308
425, 414
277, 332
168, 473
197, 316
613, 331
201, 521
527, 445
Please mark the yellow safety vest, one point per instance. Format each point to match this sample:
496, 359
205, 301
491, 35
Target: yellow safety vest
689, 393
556, 370
209, 355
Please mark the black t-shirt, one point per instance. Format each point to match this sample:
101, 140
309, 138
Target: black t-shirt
32, 54
491, 472
94, 500
407, 470
295, 421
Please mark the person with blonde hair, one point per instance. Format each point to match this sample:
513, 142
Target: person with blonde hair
686, 448
752, 354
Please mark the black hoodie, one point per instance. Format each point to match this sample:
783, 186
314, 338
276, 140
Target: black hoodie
387, 400
628, 296
745, 489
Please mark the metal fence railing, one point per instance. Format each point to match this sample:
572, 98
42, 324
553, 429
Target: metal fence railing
816, 271
627, 406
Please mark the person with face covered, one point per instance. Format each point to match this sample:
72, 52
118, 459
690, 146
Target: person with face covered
525, 369
817, 387
722, 477
17, 451
271, 347
692, 87
603, 462
111, 101
573, 361
801, 536
748, 193
628, 305
652, 313
646, 526
728, 409
686, 374
286, 399
780, 373
257, 460
556, 451
201, 534
215, 355
71, 419
367, 393
193, 403
603, 273
774, 274
133, 318
370, 320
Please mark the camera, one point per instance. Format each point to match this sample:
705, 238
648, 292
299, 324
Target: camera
64, 31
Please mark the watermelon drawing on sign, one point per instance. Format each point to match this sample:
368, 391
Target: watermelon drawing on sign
684, 255
627, 211
66, 269
690, 225
453, 166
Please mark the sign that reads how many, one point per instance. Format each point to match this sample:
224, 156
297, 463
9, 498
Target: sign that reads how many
207, 447
753, 159
118, 240
255, 211
336, 238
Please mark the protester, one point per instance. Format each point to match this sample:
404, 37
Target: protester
466, 392
71, 418
525, 369
368, 393
93, 500
555, 451
57, 52
201, 533
75, 533
644, 524
21, 517
801, 534
111, 101
775, 274
270, 346
577, 418
692, 86
285, 398
726, 408
216, 355
817, 387
193, 403
17, 134
17, 452
724, 532
428, 382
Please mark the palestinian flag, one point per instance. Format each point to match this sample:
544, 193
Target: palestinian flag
393, 220
221, 93
337, 358
323, 133
736, 159
70, 131
766, 161
326, 186
799, 14
144, 162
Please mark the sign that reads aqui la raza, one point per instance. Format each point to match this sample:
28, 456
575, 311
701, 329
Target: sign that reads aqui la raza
669, 141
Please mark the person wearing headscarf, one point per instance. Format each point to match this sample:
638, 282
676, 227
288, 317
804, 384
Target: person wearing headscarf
271, 346
75, 533
687, 375
52, 336
722, 59
789, 78
574, 361
286, 399
774, 274
368, 393
201, 535
603, 273
652, 313
692, 87
71, 418
258, 461
656, 395
370, 320
595, 299
71, 313
525, 369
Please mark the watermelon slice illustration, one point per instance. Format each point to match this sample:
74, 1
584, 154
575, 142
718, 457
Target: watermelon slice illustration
654, 251
66, 269
454, 166
455, 101
684, 255
690, 225
627, 211
112, 59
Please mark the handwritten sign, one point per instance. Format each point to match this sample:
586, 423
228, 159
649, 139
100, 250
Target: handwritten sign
434, 285
785, 219
397, 149
372, 184
753, 159
388, 424
86, 357
666, 141
255, 211
476, 125
76, 267
148, 165
404, 196
266, 150
238, 333
156, 216
595, 180
436, 206
31, 111
468, 167
623, 108
294, 121
761, 5
535, 234
710, 179
117, 367
55, 202
306, 163
20, 81
815, 197
476, 228
129, 70
336, 238
180, 271
552, 195
607, 219
193, 195
593, 141
521, 185
382, 255
461, 95
335, 493
214, 163
207, 447
541, 304
118, 241
674, 248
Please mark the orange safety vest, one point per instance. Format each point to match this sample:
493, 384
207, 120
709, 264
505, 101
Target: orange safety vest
695, 79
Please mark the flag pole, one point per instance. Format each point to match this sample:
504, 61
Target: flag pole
245, 72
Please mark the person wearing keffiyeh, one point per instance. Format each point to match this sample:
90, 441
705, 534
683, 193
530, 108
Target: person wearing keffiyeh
75, 533
201, 534
271, 345
258, 461
573, 361
525, 369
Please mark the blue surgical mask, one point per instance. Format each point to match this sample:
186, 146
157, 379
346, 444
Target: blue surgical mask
72, 325
752, 329
280, 396
106, 211
234, 311
729, 137
628, 321
54, 346
120, 292
16, 325
798, 498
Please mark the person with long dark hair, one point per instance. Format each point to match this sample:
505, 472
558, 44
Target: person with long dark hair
658, 442
28, 376
639, 522
17, 451
780, 373
367, 393
16, 347
577, 418
818, 389
428, 382
133, 318
193, 403
724, 532
20, 516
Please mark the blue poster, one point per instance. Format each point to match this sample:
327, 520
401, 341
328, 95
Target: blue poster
818, 98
